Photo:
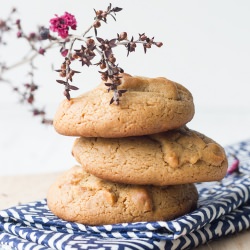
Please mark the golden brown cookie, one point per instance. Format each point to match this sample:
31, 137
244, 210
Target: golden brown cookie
80, 197
174, 157
150, 105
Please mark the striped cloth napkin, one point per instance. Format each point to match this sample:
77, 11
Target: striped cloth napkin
223, 209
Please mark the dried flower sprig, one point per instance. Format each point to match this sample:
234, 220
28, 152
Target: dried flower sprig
92, 51
96, 46
6, 25
27, 91
27, 95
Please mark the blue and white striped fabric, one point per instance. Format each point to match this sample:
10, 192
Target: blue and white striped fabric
224, 208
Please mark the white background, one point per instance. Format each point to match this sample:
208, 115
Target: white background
206, 48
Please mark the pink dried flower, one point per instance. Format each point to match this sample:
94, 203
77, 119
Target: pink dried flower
32, 35
64, 52
41, 51
19, 34
234, 167
61, 24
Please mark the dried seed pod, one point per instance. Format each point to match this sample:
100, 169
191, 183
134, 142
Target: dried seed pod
123, 36
159, 44
63, 73
75, 56
99, 12
97, 24
111, 58
102, 65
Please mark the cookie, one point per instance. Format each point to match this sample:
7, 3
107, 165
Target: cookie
150, 105
169, 158
80, 197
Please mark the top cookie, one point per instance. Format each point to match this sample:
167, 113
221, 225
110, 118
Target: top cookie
150, 105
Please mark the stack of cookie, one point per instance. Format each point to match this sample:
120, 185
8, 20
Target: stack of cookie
138, 160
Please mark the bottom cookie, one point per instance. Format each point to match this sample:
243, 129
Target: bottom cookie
80, 197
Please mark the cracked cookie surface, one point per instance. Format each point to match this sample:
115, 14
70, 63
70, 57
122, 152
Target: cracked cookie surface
150, 105
81, 197
173, 157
